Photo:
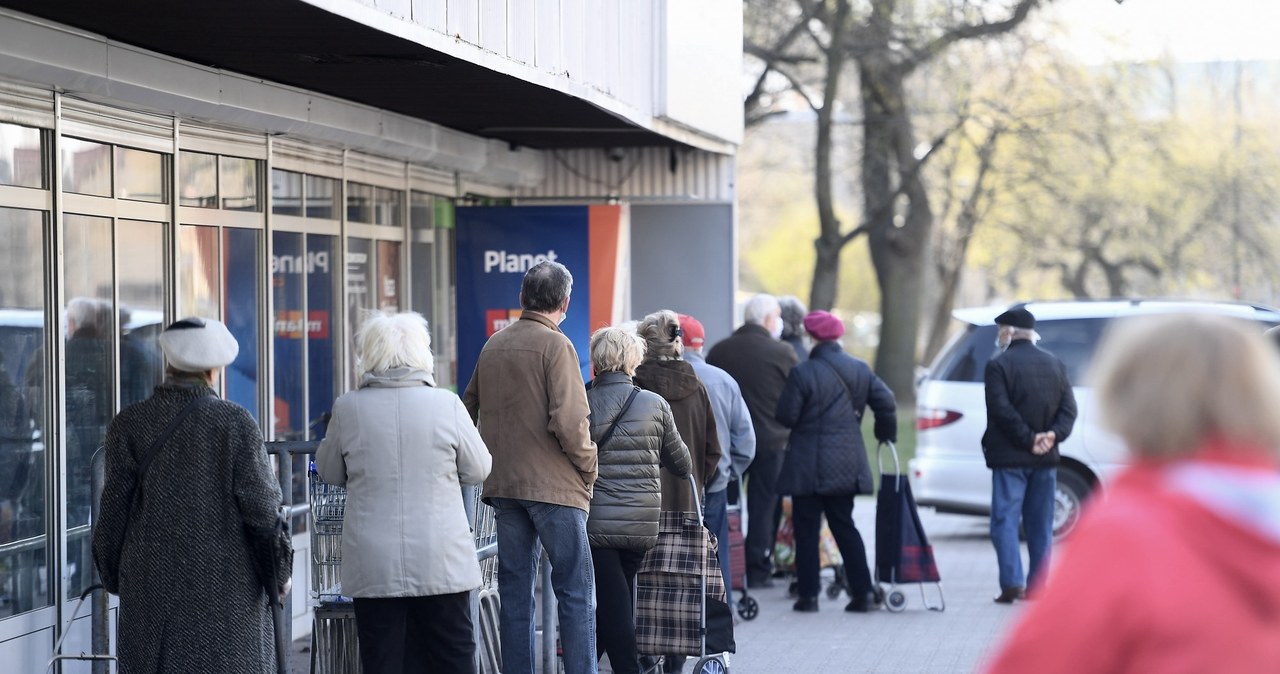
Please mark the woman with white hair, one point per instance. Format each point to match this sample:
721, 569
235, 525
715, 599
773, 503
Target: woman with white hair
1177, 569
189, 510
404, 448
635, 434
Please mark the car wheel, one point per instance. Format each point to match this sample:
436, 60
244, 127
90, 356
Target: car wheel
1068, 496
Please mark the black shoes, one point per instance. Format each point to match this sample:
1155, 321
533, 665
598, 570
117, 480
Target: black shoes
1008, 595
806, 605
865, 604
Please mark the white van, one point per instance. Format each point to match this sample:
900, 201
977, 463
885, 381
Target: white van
949, 472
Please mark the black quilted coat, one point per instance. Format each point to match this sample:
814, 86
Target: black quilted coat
187, 573
826, 454
628, 493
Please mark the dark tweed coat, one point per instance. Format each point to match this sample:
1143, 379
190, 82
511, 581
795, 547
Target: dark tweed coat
190, 595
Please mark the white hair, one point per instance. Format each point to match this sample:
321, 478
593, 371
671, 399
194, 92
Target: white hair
759, 308
387, 341
616, 349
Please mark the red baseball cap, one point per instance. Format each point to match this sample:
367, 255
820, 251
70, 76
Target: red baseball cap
694, 336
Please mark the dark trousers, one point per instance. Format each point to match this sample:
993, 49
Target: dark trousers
762, 513
615, 611
806, 514
416, 634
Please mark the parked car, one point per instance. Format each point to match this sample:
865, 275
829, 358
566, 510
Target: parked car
949, 472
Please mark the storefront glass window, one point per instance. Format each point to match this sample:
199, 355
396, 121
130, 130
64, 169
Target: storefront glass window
286, 192
360, 202
389, 275
198, 179
320, 197
388, 205
199, 278
360, 293
242, 258
140, 175
90, 324
141, 311
86, 167
24, 581
21, 156
238, 184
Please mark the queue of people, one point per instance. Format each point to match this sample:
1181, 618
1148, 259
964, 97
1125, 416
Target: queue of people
584, 472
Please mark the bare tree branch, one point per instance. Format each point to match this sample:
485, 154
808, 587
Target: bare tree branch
968, 32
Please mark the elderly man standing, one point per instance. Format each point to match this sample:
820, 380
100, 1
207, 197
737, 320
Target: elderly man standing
733, 425
527, 396
1030, 410
760, 363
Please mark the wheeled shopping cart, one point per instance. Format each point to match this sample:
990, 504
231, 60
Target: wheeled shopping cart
735, 547
903, 553
334, 645
680, 599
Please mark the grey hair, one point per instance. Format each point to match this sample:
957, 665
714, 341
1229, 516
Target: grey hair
545, 287
759, 308
660, 332
389, 340
1024, 333
793, 312
88, 313
616, 349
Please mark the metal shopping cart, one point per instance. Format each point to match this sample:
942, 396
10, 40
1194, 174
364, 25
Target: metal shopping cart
334, 646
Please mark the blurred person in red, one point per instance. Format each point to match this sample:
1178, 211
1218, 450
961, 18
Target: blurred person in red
1177, 568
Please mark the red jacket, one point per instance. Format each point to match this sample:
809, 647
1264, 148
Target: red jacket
1176, 570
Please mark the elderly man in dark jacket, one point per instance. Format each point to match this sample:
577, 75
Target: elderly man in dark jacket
635, 434
760, 363
826, 464
1030, 410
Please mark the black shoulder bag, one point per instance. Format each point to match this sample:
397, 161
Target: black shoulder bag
613, 425
856, 412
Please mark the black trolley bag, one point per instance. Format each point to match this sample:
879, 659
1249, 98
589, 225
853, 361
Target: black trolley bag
903, 553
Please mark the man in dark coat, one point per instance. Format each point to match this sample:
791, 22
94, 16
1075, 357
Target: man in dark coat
826, 463
760, 363
1030, 410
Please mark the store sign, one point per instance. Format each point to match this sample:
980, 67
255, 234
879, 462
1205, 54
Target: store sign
497, 245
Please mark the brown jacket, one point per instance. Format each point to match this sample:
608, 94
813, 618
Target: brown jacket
676, 382
528, 398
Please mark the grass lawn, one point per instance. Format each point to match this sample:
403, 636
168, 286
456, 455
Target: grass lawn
906, 443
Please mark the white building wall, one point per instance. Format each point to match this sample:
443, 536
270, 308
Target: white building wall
650, 173
671, 66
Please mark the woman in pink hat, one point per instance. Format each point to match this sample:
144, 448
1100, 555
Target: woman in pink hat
826, 463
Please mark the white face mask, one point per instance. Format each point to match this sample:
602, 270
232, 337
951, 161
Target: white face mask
776, 330
562, 317
1003, 340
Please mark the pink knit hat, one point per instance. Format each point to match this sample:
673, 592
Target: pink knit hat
823, 326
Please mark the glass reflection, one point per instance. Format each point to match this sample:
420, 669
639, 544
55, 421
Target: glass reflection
90, 381
141, 312
24, 577
320, 197
238, 184
387, 206
198, 272
86, 167
140, 175
359, 202
242, 257
360, 295
286, 192
21, 156
198, 178
389, 275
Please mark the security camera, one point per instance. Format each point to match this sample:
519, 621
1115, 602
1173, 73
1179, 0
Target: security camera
616, 154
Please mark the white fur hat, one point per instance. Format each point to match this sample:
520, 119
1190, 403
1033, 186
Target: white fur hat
198, 344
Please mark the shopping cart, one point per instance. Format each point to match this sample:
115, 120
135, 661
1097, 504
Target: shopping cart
903, 553
735, 547
334, 645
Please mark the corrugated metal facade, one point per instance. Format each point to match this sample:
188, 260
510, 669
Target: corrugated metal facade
651, 173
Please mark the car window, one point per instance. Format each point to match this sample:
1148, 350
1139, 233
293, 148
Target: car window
1073, 341
965, 358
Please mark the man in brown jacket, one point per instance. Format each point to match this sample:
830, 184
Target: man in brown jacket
527, 396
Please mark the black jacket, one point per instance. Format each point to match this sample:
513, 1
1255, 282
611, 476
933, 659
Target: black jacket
628, 492
1027, 393
760, 364
826, 454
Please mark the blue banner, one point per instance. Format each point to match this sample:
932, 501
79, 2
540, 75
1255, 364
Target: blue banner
496, 245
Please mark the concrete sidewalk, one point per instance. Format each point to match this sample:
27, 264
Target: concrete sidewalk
915, 640
781, 641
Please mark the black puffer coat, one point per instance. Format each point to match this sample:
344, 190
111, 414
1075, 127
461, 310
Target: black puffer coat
628, 492
826, 454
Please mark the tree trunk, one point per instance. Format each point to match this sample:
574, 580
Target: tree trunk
826, 266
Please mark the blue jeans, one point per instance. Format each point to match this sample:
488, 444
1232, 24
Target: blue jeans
1024, 494
716, 506
562, 530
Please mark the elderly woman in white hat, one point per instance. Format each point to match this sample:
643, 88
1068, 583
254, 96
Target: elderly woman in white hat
188, 533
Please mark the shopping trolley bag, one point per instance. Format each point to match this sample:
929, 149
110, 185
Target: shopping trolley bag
675, 578
903, 553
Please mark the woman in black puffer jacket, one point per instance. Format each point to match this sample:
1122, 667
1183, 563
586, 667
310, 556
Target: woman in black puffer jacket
623, 523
